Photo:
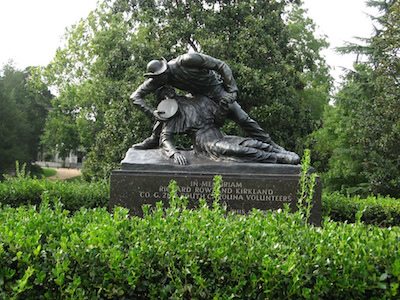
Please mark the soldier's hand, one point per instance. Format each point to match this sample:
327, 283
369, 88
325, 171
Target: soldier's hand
158, 114
180, 159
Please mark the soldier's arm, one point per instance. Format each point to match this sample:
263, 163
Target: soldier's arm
203, 61
167, 143
141, 92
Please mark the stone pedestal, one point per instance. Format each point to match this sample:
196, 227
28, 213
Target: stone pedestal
145, 175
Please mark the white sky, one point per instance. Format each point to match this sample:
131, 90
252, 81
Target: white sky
31, 30
341, 21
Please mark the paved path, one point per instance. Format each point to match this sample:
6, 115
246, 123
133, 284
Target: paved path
64, 173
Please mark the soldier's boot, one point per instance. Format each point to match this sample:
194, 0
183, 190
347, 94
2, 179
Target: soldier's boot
279, 149
151, 142
288, 158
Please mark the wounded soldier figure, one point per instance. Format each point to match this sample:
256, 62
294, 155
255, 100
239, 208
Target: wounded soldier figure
197, 74
197, 116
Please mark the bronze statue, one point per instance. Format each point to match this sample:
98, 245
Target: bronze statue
209, 81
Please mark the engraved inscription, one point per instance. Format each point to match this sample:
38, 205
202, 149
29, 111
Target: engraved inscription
230, 191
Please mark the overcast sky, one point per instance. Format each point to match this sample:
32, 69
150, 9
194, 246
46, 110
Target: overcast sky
340, 21
31, 30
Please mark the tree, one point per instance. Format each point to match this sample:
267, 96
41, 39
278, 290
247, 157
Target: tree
23, 109
361, 133
270, 46
11, 124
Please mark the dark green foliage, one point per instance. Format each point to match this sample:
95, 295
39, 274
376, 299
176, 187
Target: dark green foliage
192, 254
380, 211
270, 46
23, 110
359, 145
73, 195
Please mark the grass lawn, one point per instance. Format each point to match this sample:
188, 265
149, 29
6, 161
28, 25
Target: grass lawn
47, 172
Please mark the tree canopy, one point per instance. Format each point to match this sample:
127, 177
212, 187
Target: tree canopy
23, 110
361, 134
270, 46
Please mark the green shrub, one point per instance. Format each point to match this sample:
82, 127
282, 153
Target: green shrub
178, 253
381, 211
76, 193
20, 190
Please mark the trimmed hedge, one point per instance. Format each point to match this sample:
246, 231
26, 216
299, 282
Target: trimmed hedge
192, 254
18, 191
381, 211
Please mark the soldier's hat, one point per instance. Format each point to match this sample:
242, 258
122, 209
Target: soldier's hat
156, 67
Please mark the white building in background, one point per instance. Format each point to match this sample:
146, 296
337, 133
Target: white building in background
73, 160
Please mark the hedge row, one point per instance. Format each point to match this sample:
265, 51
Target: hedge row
192, 254
381, 211
74, 195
